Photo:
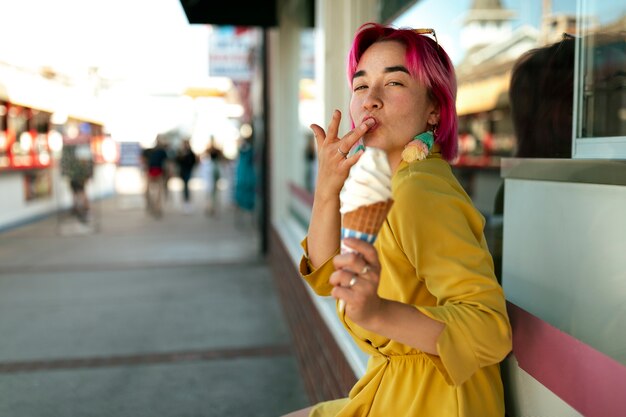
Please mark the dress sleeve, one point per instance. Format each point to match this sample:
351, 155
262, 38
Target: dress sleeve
317, 278
441, 234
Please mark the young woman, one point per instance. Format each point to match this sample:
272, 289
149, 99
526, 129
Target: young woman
423, 301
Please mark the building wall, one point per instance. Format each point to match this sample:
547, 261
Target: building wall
563, 275
15, 209
29, 89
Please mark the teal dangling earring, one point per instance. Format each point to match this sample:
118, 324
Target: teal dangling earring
419, 148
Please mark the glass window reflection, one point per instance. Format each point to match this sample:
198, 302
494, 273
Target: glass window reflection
603, 69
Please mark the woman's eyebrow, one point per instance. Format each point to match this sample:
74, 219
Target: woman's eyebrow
395, 68
358, 74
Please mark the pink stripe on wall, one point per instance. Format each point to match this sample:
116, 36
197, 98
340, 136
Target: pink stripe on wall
588, 380
302, 194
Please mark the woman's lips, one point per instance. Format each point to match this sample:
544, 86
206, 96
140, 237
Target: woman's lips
374, 126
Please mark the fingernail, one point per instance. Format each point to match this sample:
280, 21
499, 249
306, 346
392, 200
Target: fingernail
370, 122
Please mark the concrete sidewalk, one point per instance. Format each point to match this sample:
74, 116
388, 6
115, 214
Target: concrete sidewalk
136, 316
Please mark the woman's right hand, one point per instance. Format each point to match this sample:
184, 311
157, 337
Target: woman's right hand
333, 165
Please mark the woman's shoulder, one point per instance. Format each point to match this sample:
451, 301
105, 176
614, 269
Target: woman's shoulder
423, 176
429, 180
428, 190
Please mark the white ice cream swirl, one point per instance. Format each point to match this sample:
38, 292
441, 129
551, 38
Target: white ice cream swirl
369, 181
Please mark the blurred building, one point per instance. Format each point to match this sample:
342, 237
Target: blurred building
41, 112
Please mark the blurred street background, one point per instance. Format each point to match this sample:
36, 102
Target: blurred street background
175, 316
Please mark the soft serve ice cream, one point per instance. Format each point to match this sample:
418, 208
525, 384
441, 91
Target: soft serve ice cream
366, 195
369, 181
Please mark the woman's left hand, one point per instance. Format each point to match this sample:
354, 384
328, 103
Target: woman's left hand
356, 279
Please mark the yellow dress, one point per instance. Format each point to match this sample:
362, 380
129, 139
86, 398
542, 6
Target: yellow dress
434, 256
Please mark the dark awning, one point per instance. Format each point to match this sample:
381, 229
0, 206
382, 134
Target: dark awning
261, 13
264, 13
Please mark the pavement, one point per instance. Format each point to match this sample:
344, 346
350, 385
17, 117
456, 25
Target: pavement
130, 315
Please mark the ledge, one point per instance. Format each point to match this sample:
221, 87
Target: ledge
589, 171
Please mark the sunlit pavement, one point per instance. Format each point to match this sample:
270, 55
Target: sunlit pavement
129, 315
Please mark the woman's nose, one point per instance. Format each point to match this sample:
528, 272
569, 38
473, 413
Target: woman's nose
373, 99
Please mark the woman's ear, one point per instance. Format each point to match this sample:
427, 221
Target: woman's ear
433, 117
435, 112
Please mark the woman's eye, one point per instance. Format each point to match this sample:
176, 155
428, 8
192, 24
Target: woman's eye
392, 83
360, 87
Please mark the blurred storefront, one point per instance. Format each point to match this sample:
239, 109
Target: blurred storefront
43, 115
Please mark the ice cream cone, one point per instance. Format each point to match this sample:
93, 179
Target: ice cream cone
365, 222
365, 199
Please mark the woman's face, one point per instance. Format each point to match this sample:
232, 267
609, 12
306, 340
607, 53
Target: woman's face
383, 89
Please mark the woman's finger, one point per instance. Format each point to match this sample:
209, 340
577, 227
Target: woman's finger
366, 250
355, 291
319, 135
333, 126
343, 293
346, 261
343, 278
353, 159
352, 137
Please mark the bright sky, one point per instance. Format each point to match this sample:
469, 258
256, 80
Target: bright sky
146, 40
447, 18
143, 46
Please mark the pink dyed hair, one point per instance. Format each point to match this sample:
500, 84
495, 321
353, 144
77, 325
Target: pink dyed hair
429, 64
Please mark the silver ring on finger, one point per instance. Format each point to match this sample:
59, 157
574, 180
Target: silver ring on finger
353, 281
365, 269
344, 154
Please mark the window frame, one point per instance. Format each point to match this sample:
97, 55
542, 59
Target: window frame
613, 147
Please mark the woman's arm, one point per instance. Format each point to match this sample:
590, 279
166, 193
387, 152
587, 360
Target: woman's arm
333, 169
394, 320
407, 325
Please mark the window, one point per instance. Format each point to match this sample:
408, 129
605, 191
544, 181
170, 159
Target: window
600, 93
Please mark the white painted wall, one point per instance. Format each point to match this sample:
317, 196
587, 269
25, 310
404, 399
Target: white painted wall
563, 261
14, 209
563, 258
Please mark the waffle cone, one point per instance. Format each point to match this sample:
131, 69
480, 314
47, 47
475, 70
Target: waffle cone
367, 219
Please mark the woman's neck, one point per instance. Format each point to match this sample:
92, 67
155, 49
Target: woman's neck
394, 161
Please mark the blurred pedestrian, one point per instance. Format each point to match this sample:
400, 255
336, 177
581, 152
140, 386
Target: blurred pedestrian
155, 159
214, 159
245, 178
186, 160
77, 165
168, 169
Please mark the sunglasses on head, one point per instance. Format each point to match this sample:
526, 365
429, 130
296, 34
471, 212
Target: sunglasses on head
427, 32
